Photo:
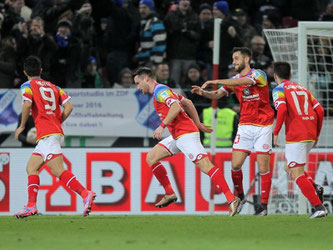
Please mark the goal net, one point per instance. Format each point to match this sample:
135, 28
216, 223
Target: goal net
308, 48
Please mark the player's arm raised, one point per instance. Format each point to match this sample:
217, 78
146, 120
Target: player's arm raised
25, 115
215, 94
229, 82
68, 108
191, 110
173, 112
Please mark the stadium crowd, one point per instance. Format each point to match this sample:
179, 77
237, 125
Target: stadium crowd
99, 43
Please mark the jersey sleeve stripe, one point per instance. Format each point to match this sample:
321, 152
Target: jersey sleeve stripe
224, 90
316, 105
26, 99
66, 100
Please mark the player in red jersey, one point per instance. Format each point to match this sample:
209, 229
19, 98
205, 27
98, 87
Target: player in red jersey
184, 137
256, 120
303, 117
44, 100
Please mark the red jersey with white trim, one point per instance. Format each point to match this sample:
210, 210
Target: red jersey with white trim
255, 108
163, 97
301, 120
46, 99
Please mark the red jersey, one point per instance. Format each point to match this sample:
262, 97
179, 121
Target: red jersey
255, 108
163, 97
46, 99
301, 119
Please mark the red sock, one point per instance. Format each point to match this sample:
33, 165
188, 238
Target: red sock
266, 182
162, 176
237, 178
70, 180
33, 187
217, 177
308, 190
309, 178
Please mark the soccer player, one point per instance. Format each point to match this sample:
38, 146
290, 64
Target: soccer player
184, 137
303, 117
44, 100
255, 125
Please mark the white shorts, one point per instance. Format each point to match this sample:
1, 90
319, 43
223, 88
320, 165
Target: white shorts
49, 147
251, 137
297, 153
189, 144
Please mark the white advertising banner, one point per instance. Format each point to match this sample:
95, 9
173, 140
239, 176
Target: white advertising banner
124, 183
97, 112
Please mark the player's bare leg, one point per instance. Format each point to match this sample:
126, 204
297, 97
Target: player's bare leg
238, 158
34, 164
57, 167
308, 190
153, 160
206, 166
266, 182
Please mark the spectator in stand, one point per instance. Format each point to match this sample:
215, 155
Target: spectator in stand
126, 80
51, 11
8, 73
247, 31
183, 29
34, 41
229, 37
91, 76
270, 21
162, 73
12, 19
152, 48
205, 14
66, 68
118, 38
204, 51
193, 77
259, 60
20, 8
83, 26
328, 14
304, 10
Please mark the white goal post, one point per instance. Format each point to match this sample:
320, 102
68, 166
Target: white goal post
309, 50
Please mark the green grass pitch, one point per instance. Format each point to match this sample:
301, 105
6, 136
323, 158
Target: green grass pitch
166, 232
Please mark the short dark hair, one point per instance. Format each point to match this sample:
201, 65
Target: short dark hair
245, 51
32, 66
144, 71
282, 70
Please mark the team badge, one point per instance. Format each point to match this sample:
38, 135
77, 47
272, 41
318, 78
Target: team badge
246, 91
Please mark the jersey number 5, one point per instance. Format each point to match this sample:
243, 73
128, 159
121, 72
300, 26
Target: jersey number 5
295, 95
50, 98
